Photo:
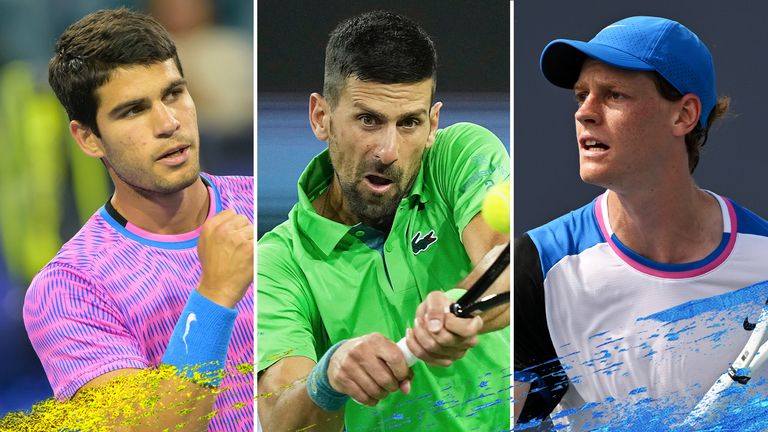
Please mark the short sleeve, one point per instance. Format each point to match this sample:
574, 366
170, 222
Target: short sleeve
536, 360
467, 160
287, 317
77, 332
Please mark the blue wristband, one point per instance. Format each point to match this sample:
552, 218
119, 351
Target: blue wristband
319, 387
198, 345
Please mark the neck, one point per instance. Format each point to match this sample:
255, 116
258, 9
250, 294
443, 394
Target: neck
331, 205
669, 225
174, 213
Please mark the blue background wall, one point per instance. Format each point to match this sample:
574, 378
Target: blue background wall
546, 164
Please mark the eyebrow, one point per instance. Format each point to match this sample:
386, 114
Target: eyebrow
415, 113
602, 83
115, 112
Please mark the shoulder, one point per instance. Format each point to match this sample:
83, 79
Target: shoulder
235, 192
277, 252
466, 158
463, 145
277, 242
87, 249
280, 275
463, 129
233, 185
569, 234
465, 134
748, 222
75, 270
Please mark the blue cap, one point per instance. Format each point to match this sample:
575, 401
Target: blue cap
644, 44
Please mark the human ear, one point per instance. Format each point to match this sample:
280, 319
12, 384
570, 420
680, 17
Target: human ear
319, 116
89, 143
434, 120
687, 115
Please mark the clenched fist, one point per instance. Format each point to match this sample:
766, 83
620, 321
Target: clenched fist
369, 368
438, 337
225, 249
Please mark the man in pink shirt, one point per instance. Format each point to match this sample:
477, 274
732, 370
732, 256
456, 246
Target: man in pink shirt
162, 273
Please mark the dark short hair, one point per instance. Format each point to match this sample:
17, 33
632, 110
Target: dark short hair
381, 47
90, 49
695, 139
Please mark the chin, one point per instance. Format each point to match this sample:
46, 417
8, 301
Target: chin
166, 185
595, 178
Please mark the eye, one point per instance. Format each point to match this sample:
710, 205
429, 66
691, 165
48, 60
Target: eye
133, 111
581, 97
617, 96
174, 93
367, 120
410, 123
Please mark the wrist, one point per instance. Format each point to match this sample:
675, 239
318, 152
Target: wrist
319, 386
199, 342
219, 295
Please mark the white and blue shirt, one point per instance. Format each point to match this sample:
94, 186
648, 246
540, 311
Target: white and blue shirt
632, 340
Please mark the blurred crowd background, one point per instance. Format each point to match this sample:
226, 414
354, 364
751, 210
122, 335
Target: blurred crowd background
48, 188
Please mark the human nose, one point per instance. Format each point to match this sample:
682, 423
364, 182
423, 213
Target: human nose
387, 152
588, 111
165, 120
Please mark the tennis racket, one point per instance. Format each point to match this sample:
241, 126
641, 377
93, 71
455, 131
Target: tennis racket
471, 303
751, 359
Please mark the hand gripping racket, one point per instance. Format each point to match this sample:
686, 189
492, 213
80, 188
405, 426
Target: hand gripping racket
751, 358
468, 304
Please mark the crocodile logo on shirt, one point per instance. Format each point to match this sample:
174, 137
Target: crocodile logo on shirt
420, 243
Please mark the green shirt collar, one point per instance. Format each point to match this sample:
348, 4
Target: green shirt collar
325, 233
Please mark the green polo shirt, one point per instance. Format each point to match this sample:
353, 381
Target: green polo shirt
320, 281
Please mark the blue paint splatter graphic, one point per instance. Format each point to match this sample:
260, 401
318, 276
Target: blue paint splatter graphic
675, 336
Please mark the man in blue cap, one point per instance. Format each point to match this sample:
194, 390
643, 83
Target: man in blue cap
629, 308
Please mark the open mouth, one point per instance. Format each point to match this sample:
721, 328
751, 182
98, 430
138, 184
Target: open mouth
175, 157
378, 183
592, 145
377, 180
174, 153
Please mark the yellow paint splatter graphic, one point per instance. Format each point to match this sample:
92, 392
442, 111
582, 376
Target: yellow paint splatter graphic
125, 403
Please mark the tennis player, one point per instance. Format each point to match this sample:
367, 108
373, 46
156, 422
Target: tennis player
629, 308
162, 273
387, 221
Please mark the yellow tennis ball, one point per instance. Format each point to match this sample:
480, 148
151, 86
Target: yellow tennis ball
496, 207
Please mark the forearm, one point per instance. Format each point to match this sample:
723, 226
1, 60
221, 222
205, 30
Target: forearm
291, 409
495, 319
144, 400
484, 246
197, 353
182, 406
521, 394
284, 403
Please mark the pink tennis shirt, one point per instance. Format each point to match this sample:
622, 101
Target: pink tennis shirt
111, 298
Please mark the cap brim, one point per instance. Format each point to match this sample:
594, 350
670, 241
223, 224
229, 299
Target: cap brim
562, 59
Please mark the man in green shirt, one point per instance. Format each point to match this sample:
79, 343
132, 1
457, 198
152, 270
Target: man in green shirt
387, 222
